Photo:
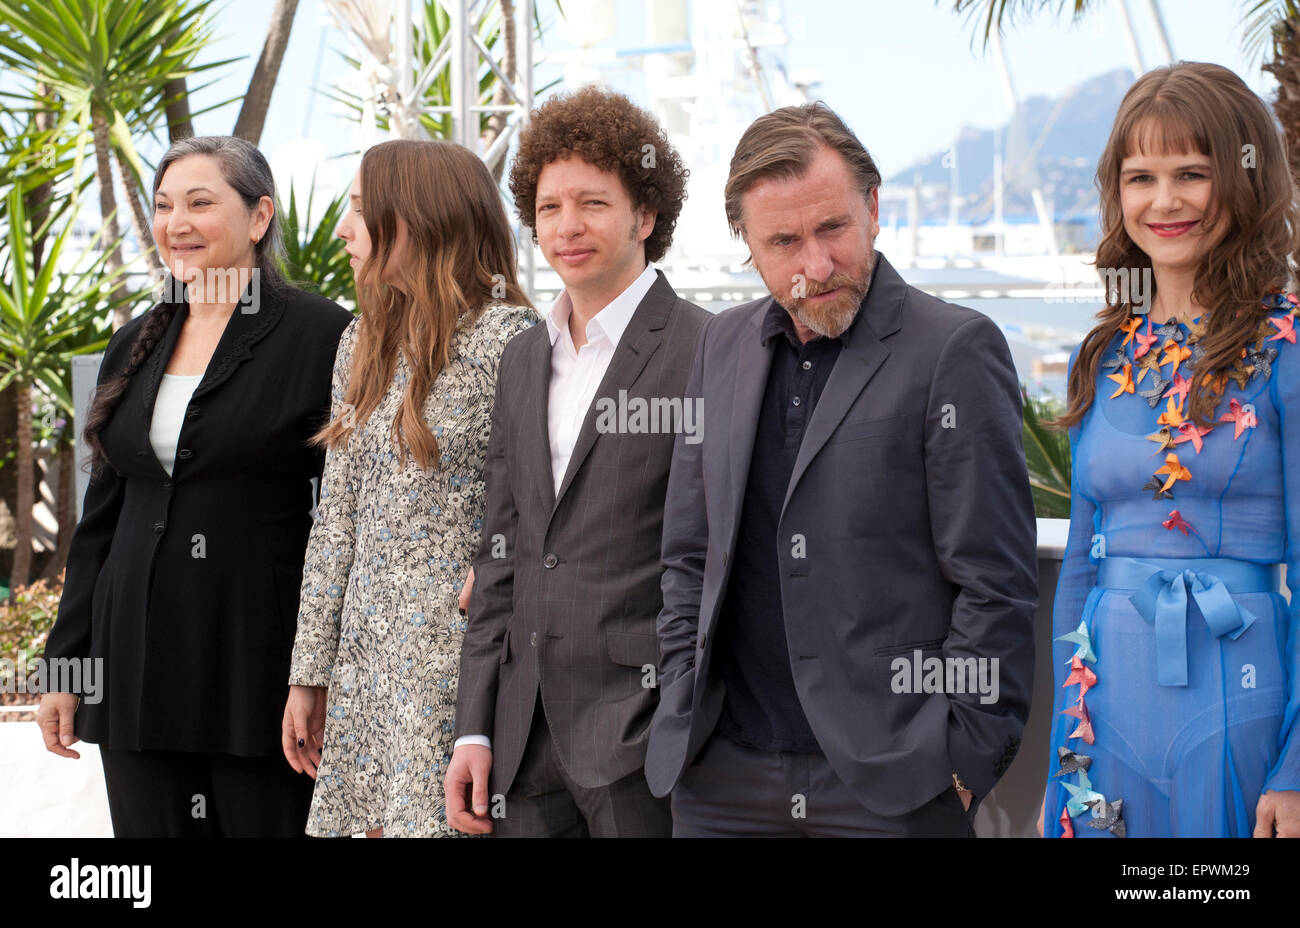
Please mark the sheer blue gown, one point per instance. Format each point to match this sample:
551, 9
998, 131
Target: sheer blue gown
1183, 649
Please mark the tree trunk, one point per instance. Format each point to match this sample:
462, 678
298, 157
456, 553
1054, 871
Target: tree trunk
252, 115
65, 506
496, 123
176, 104
108, 209
25, 496
139, 221
1285, 66
8, 477
177, 97
37, 201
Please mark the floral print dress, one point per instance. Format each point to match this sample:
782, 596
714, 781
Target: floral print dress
378, 621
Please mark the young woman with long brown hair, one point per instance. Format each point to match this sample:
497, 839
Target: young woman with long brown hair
374, 671
1175, 654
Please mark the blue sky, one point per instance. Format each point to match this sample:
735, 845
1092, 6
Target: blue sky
905, 74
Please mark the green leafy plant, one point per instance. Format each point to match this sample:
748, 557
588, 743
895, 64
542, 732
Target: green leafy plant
1047, 455
315, 255
47, 315
26, 618
100, 69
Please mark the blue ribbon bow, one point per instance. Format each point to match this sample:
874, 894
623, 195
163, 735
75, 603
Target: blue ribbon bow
1162, 602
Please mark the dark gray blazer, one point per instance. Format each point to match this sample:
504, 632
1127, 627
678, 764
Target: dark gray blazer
569, 610
912, 499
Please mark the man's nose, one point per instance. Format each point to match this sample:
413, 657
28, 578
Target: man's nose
570, 223
817, 262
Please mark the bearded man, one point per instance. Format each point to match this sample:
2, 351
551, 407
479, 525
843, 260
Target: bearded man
849, 545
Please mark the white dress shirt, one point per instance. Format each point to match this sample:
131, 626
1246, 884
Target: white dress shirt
576, 373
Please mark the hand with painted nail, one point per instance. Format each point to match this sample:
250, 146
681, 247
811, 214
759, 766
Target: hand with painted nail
303, 729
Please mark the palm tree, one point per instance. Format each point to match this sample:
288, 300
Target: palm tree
107, 64
46, 317
252, 115
32, 159
1279, 23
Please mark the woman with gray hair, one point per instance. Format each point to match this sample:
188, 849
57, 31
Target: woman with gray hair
182, 581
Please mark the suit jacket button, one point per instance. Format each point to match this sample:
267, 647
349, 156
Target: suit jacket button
184, 454
191, 412
166, 484
532, 639
159, 526
550, 561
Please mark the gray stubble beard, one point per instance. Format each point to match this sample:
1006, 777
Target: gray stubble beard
834, 320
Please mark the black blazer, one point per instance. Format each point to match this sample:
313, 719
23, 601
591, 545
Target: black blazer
915, 527
569, 611
187, 585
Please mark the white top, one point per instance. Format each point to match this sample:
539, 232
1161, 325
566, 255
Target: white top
169, 413
577, 373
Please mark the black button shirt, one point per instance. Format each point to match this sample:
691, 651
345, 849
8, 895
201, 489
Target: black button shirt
761, 707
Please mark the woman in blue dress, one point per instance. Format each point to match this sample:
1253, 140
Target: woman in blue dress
1176, 657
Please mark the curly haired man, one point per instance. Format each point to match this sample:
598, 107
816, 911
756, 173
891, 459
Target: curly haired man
558, 679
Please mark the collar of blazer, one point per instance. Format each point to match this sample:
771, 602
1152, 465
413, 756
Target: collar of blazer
243, 330
863, 352
641, 339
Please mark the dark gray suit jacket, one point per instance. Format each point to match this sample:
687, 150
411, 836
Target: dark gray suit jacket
910, 504
570, 608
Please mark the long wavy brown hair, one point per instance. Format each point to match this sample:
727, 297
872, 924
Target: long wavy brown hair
1203, 108
458, 257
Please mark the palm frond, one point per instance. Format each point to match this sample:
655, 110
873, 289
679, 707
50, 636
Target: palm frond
1258, 20
989, 15
1047, 457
